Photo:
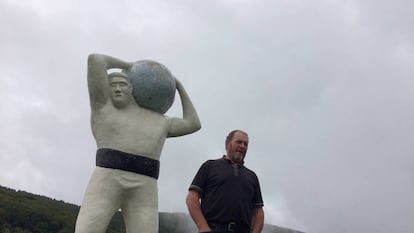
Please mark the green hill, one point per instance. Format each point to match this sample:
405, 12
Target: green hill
23, 212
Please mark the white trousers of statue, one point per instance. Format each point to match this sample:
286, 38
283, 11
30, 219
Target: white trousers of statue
110, 190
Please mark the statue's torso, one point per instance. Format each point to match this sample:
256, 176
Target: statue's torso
132, 129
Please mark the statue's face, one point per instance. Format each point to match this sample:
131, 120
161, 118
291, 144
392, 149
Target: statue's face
121, 91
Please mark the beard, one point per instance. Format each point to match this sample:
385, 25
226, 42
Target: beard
237, 157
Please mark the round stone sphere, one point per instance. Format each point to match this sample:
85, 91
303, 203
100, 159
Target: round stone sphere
153, 85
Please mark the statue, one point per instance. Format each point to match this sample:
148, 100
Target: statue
130, 128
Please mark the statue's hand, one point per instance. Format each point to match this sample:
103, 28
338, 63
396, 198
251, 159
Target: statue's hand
177, 83
129, 66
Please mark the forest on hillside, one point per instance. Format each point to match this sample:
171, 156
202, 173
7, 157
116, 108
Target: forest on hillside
23, 212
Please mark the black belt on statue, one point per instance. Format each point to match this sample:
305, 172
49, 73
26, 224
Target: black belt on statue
115, 159
229, 227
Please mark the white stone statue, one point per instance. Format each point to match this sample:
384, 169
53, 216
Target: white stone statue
129, 139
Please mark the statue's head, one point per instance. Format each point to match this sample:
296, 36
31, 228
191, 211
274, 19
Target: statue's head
120, 89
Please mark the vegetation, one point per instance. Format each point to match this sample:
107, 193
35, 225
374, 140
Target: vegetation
23, 212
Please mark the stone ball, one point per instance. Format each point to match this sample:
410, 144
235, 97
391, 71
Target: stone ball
153, 85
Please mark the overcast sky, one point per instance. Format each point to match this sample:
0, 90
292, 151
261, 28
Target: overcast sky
324, 88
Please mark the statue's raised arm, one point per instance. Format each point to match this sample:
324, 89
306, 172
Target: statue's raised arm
190, 122
98, 81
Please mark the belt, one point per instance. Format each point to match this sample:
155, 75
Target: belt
115, 159
229, 227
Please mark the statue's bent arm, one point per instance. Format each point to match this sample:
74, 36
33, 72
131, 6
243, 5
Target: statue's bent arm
98, 83
190, 122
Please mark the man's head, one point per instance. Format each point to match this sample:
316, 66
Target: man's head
236, 146
120, 88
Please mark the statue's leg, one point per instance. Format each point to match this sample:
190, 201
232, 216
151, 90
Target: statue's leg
140, 209
101, 201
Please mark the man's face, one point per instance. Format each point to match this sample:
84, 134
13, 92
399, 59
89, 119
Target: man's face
121, 91
237, 147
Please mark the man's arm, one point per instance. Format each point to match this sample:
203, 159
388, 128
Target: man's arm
98, 83
257, 220
190, 122
194, 207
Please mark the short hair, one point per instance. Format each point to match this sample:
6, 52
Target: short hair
231, 134
118, 74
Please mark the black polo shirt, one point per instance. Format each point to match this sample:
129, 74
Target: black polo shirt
228, 191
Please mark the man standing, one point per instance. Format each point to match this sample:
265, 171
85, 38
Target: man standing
129, 140
230, 196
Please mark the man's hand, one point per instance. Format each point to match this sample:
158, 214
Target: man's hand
194, 207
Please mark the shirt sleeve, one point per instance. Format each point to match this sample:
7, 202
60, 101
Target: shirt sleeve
199, 181
257, 199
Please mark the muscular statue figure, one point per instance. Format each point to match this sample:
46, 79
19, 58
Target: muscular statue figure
129, 140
